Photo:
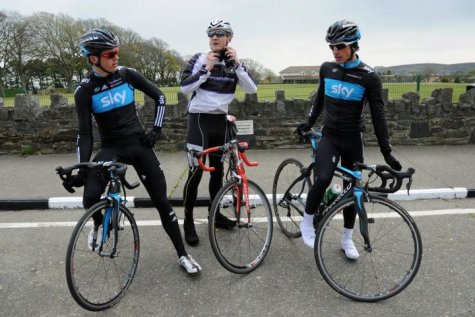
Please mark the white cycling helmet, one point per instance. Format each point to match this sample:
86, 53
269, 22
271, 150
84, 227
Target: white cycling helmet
220, 24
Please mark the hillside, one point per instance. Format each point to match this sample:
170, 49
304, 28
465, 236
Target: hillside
428, 68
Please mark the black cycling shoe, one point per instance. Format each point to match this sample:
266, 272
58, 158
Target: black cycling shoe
190, 234
223, 223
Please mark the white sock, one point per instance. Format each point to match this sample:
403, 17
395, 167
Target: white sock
347, 233
348, 246
308, 230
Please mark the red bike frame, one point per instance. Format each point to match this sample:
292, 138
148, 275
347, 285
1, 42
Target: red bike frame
237, 156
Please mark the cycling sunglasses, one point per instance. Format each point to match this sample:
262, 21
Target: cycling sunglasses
217, 33
111, 54
338, 46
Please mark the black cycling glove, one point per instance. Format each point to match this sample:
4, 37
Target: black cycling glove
77, 180
391, 160
150, 138
303, 127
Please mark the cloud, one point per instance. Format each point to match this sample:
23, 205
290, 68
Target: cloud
279, 33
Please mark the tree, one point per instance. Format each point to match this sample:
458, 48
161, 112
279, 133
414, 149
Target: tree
21, 49
57, 37
257, 71
5, 44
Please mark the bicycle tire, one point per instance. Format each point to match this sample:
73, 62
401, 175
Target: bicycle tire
379, 273
289, 210
243, 248
98, 282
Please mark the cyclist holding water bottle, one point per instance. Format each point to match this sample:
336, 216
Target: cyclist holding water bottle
346, 84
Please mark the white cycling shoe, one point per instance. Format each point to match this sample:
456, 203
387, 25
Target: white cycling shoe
347, 245
189, 264
308, 230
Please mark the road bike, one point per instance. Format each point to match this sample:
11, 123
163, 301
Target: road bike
243, 248
388, 239
103, 251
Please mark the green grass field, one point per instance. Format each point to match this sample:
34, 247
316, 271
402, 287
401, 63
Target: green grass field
292, 91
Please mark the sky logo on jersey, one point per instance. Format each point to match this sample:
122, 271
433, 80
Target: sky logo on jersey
343, 90
114, 98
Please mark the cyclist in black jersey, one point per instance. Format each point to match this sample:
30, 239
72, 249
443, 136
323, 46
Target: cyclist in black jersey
346, 85
107, 96
212, 78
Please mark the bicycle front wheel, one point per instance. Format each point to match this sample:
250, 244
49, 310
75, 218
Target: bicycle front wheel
96, 280
289, 196
243, 248
381, 271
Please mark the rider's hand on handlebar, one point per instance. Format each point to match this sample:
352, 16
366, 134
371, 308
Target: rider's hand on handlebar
77, 180
392, 161
303, 127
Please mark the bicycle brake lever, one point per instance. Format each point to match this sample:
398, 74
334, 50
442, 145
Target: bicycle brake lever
408, 185
64, 174
69, 189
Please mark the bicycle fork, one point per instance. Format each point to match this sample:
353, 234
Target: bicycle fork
242, 200
111, 223
364, 220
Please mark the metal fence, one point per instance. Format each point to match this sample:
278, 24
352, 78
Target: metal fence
396, 85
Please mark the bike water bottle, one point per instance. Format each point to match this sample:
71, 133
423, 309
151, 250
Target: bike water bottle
331, 193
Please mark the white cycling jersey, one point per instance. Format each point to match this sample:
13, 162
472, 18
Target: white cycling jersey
213, 91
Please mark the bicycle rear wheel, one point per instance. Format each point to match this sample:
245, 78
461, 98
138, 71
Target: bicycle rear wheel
289, 208
243, 248
98, 281
384, 270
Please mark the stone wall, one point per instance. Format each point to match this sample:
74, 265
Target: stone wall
28, 128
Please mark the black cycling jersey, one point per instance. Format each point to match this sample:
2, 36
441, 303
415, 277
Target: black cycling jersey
111, 101
343, 92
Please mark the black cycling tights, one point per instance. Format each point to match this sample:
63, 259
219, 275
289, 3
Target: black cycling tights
147, 166
331, 147
205, 130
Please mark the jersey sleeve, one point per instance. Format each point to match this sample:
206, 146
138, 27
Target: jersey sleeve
318, 100
245, 80
193, 75
84, 141
137, 80
376, 103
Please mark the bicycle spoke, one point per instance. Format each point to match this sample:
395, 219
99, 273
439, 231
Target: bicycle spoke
380, 272
242, 248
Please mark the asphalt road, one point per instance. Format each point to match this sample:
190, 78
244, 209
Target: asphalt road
32, 278
33, 247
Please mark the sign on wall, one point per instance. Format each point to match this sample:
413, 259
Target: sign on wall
245, 127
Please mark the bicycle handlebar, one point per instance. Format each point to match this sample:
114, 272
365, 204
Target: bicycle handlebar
228, 147
391, 180
386, 173
116, 167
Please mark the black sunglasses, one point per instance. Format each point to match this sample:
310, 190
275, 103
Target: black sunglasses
217, 33
338, 46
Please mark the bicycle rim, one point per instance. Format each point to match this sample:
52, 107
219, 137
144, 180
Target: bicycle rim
289, 209
97, 282
242, 248
379, 273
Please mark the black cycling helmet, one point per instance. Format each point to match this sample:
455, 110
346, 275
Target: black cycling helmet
96, 41
343, 32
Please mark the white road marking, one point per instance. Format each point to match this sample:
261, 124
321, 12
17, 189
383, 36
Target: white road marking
143, 223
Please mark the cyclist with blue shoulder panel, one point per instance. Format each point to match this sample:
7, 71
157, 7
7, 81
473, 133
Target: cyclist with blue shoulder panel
107, 95
346, 85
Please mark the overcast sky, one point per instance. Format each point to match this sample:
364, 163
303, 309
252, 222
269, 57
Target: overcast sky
282, 33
